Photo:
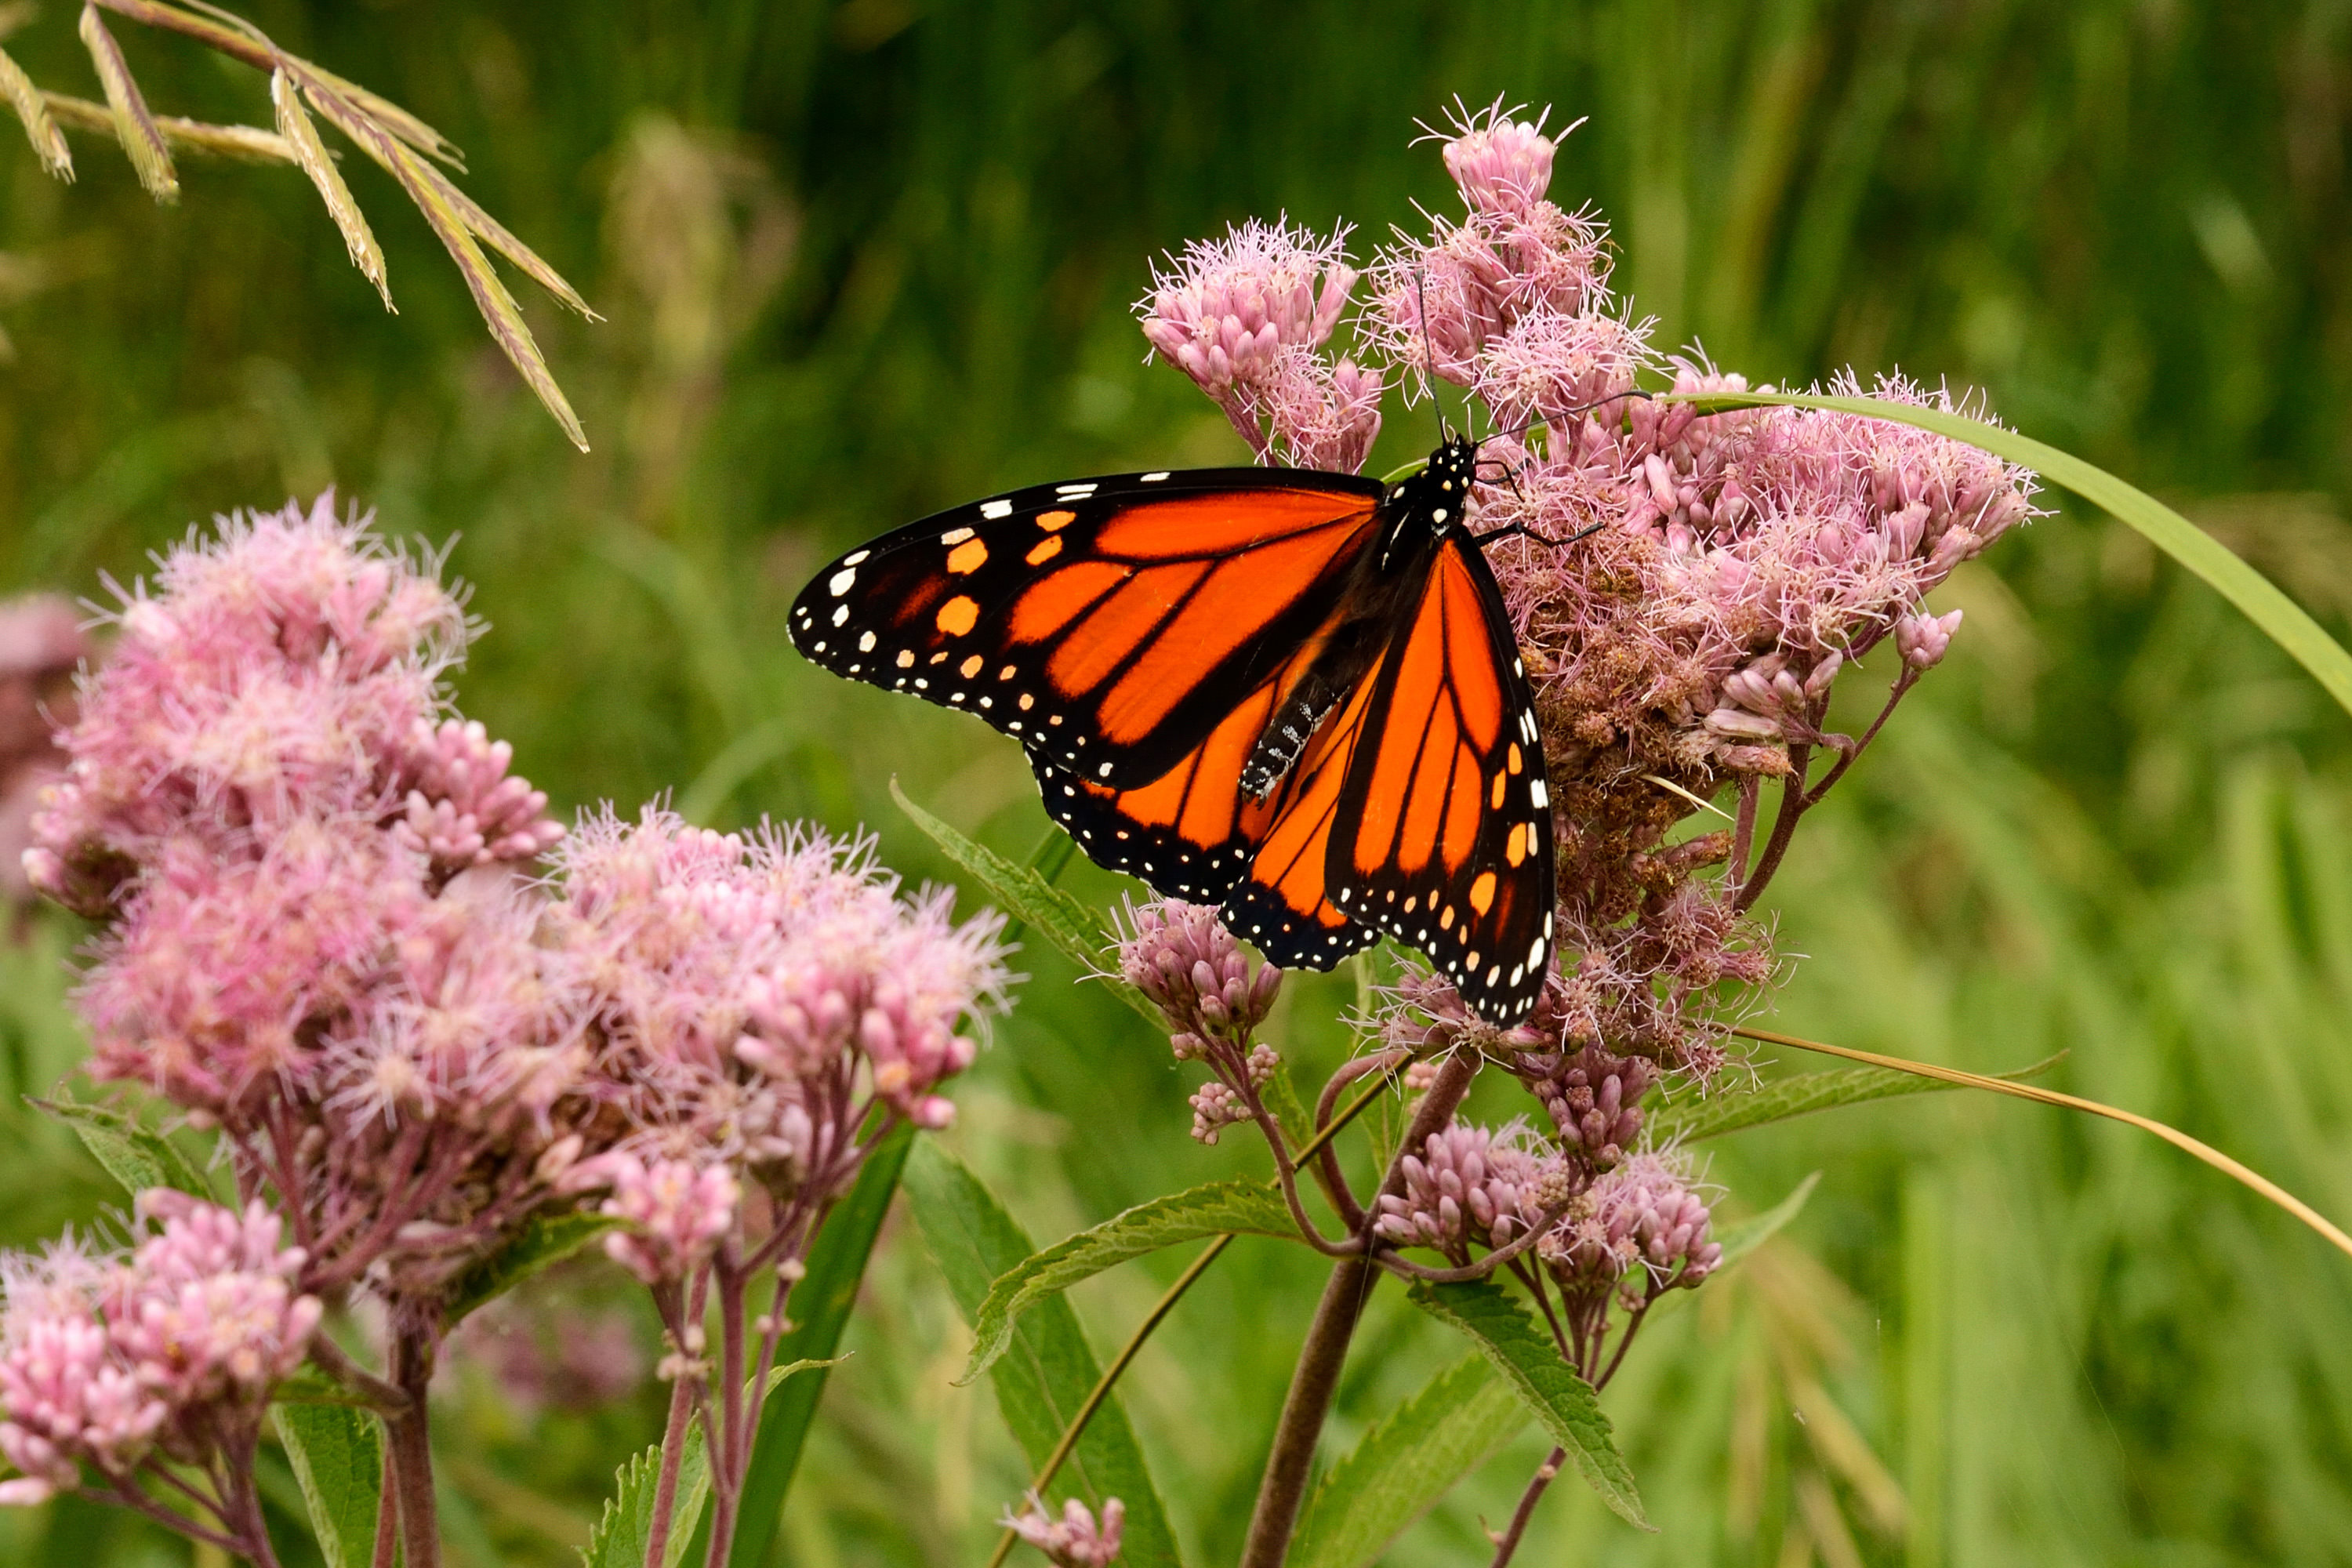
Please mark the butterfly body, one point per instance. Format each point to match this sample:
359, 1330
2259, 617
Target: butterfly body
1288, 692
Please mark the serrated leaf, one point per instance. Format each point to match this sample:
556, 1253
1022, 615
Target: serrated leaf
624, 1533
310, 155
1246, 1207
40, 128
1531, 1366
134, 127
542, 1241
133, 1155
1049, 1369
1401, 1468
1801, 1094
820, 1307
337, 1454
2280, 619
1024, 895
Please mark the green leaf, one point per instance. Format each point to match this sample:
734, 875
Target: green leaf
1404, 1464
1245, 1206
1049, 1369
543, 1240
2280, 618
307, 1385
1800, 1095
131, 1154
1524, 1354
622, 1536
1741, 1238
819, 1307
337, 1454
1029, 898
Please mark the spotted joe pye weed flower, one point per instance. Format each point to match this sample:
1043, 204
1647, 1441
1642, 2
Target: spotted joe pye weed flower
322, 935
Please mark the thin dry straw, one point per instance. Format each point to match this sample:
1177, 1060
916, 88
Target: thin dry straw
246, 143
312, 154
40, 128
134, 127
2172, 1135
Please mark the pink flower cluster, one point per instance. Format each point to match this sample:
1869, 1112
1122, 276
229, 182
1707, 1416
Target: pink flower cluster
42, 643
1641, 1228
1074, 1540
746, 981
173, 1348
1472, 1185
1247, 319
1182, 957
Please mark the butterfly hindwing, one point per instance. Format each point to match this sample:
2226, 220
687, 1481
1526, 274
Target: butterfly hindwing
1111, 625
1443, 838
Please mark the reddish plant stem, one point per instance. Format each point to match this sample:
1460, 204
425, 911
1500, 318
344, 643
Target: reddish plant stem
410, 1452
387, 1519
1320, 1359
1784, 828
681, 1410
1508, 1542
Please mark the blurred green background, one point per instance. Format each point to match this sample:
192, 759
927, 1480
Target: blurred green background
863, 260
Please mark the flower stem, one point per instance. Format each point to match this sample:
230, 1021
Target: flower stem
1317, 1379
410, 1451
681, 1408
1508, 1543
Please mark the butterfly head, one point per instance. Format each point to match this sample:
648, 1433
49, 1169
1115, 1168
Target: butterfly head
1444, 485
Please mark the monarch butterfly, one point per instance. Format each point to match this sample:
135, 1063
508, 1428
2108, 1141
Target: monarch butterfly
1289, 692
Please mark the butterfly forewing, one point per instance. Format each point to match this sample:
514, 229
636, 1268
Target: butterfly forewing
1111, 625
1443, 837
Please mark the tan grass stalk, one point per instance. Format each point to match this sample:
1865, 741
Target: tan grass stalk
427, 188
134, 127
311, 153
40, 128
244, 143
2172, 1135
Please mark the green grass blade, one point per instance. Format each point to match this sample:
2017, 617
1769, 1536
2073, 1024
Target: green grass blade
2280, 619
1240, 1206
1406, 1464
1050, 1370
821, 1305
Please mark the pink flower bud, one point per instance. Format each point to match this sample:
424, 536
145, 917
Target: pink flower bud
1923, 639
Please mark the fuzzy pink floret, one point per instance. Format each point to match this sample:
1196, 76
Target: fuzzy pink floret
1074, 1540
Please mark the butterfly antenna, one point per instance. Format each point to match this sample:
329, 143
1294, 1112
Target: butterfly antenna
1428, 352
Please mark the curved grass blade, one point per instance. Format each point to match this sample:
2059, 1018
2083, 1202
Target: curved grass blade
2280, 619
1530, 1363
2214, 1157
1239, 1207
311, 154
1800, 1095
134, 127
1050, 1372
40, 128
1401, 1468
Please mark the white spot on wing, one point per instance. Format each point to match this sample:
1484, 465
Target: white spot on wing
842, 581
955, 536
856, 558
1155, 478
